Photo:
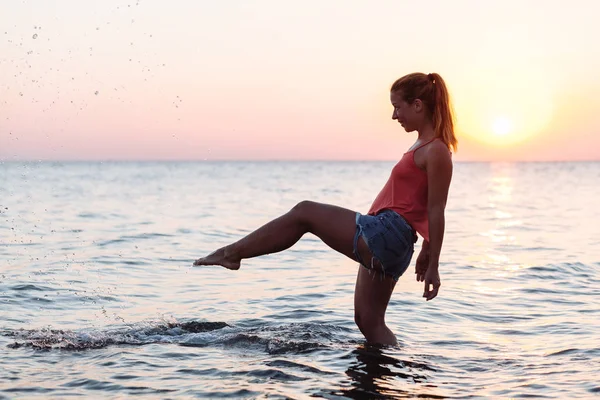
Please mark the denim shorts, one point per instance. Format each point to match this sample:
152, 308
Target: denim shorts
391, 241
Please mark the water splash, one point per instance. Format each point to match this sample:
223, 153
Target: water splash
143, 333
282, 339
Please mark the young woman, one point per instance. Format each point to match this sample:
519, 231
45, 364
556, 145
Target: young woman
382, 241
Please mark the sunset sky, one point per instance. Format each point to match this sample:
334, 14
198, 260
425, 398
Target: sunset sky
247, 80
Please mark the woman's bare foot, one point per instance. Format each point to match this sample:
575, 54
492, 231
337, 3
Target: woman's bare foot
218, 257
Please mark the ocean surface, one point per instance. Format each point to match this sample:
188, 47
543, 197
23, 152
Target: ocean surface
99, 299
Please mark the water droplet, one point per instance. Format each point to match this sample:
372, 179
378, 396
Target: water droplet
35, 35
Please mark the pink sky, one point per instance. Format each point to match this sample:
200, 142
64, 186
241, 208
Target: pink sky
279, 80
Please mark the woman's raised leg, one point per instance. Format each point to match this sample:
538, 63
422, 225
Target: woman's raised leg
335, 226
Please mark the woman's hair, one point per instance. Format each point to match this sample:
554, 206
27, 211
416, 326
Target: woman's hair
432, 91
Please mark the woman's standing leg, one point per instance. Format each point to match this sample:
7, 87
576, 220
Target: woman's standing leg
371, 297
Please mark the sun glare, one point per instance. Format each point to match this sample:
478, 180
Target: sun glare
504, 106
502, 126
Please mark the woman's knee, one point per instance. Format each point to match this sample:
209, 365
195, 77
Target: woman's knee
367, 321
303, 207
303, 210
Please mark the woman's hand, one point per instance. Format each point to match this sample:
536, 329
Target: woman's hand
432, 278
422, 264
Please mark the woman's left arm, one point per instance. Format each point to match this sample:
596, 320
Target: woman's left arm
439, 175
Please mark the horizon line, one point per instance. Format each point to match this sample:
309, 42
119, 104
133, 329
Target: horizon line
274, 160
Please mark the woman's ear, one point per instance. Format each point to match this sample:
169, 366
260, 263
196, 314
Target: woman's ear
418, 105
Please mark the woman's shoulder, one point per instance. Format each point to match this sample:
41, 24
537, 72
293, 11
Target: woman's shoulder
439, 154
434, 152
439, 148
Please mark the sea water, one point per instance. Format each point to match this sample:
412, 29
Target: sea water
99, 299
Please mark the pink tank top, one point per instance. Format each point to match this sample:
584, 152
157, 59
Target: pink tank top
406, 193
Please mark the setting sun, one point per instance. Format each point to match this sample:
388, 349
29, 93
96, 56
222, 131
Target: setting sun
502, 126
514, 107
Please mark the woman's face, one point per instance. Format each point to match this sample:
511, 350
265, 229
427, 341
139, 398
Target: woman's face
408, 115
